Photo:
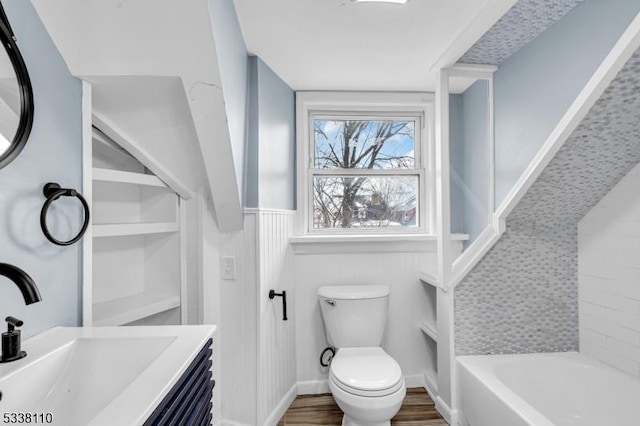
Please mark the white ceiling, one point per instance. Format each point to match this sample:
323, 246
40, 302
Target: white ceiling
110, 42
343, 45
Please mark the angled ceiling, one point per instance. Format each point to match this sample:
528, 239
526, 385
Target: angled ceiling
343, 45
131, 48
526, 20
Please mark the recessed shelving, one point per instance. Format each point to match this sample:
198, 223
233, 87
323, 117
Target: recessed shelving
131, 308
118, 176
138, 263
427, 278
430, 330
429, 327
124, 229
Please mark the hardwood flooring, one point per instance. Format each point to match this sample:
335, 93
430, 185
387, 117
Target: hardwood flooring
310, 410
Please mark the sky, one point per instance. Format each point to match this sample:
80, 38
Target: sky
400, 145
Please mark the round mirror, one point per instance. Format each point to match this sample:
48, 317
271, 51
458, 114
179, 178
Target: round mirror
16, 96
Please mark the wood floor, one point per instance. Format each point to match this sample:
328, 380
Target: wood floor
308, 410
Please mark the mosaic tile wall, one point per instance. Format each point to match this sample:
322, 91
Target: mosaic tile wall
526, 20
522, 296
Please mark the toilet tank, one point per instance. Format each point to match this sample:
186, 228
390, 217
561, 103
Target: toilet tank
354, 316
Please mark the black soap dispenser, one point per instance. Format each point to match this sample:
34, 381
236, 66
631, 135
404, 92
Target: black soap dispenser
11, 341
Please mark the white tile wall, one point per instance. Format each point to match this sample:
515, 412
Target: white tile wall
609, 277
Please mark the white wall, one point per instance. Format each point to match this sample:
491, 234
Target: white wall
609, 277
403, 338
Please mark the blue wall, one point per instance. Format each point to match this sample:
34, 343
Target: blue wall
456, 159
252, 194
53, 153
469, 156
233, 63
475, 108
260, 110
271, 145
536, 86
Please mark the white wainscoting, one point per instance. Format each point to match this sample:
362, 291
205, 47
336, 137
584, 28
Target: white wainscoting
276, 344
257, 369
238, 327
407, 306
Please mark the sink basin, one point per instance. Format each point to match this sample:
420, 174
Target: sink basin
98, 376
78, 380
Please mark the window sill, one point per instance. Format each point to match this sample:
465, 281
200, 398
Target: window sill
397, 243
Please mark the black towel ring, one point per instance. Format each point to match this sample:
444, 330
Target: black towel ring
53, 191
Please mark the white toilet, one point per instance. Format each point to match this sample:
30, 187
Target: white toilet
365, 381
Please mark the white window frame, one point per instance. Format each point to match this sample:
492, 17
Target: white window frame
366, 105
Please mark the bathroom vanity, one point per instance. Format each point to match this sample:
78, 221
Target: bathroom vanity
111, 375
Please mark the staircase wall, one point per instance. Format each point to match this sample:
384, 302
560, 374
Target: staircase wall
523, 295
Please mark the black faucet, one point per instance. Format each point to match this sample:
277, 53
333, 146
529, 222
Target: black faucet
11, 339
24, 282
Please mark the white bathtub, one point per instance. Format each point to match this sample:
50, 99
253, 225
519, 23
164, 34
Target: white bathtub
561, 389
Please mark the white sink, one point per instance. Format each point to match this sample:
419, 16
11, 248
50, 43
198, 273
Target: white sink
96, 376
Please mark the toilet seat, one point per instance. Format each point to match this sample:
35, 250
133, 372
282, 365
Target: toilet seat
367, 372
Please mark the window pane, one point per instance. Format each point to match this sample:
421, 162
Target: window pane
362, 144
365, 202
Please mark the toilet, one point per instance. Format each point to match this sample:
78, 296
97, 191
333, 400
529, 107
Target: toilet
365, 381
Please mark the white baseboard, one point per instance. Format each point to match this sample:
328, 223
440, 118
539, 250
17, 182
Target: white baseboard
443, 409
430, 383
416, 381
313, 387
282, 407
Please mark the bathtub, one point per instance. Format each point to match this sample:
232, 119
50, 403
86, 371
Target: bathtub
559, 389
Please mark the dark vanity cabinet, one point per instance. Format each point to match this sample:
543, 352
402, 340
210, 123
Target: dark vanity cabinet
188, 403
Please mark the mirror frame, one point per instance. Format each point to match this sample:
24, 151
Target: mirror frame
26, 92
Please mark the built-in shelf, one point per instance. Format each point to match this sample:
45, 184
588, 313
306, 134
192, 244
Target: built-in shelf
137, 261
429, 330
427, 278
429, 327
123, 229
127, 309
118, 176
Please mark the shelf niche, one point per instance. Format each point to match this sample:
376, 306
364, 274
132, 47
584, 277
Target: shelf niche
136, 254
429, 328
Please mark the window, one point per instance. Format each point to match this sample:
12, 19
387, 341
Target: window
364, 162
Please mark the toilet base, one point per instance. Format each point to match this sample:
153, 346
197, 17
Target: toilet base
367, 411
348, 421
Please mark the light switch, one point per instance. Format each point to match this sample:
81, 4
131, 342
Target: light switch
228, 268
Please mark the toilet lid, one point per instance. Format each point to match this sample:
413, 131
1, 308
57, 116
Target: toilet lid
366, 371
